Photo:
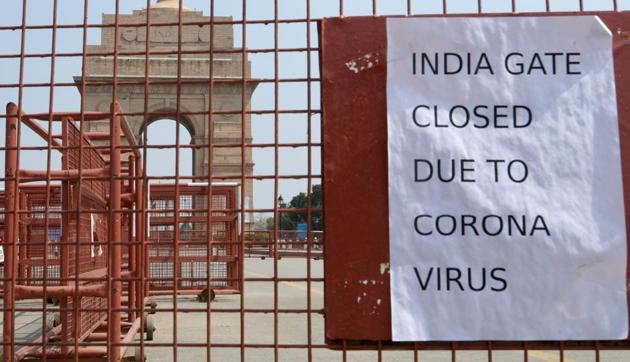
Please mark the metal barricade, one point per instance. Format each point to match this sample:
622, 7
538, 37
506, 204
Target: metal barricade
180, 265
64, 243
290, 243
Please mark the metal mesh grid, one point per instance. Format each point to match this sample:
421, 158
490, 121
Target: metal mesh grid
273, 48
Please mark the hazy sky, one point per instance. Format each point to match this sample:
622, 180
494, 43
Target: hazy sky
292, 128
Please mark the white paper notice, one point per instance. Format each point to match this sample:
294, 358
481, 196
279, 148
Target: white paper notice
506, 210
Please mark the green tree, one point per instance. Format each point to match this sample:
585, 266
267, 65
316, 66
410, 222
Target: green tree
300, 201
290, 220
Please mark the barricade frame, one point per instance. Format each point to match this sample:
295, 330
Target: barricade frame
225, 261
88, 185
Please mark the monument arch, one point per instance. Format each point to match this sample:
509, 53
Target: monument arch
176, 80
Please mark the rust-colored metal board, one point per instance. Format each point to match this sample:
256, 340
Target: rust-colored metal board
354, 77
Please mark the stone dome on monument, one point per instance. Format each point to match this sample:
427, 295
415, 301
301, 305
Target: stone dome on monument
168, 4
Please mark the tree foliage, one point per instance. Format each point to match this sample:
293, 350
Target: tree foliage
289, 220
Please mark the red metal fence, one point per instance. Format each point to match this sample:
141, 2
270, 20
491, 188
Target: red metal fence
111, 241
290, 243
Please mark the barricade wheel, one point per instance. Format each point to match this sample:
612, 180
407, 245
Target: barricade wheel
54, 321
52, 300
206, 295
149, 328
152, 305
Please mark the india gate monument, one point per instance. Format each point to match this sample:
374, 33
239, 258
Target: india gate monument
194, 68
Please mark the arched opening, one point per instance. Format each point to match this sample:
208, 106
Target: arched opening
161, 160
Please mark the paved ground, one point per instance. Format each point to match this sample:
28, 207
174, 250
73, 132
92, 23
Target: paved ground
292, 328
